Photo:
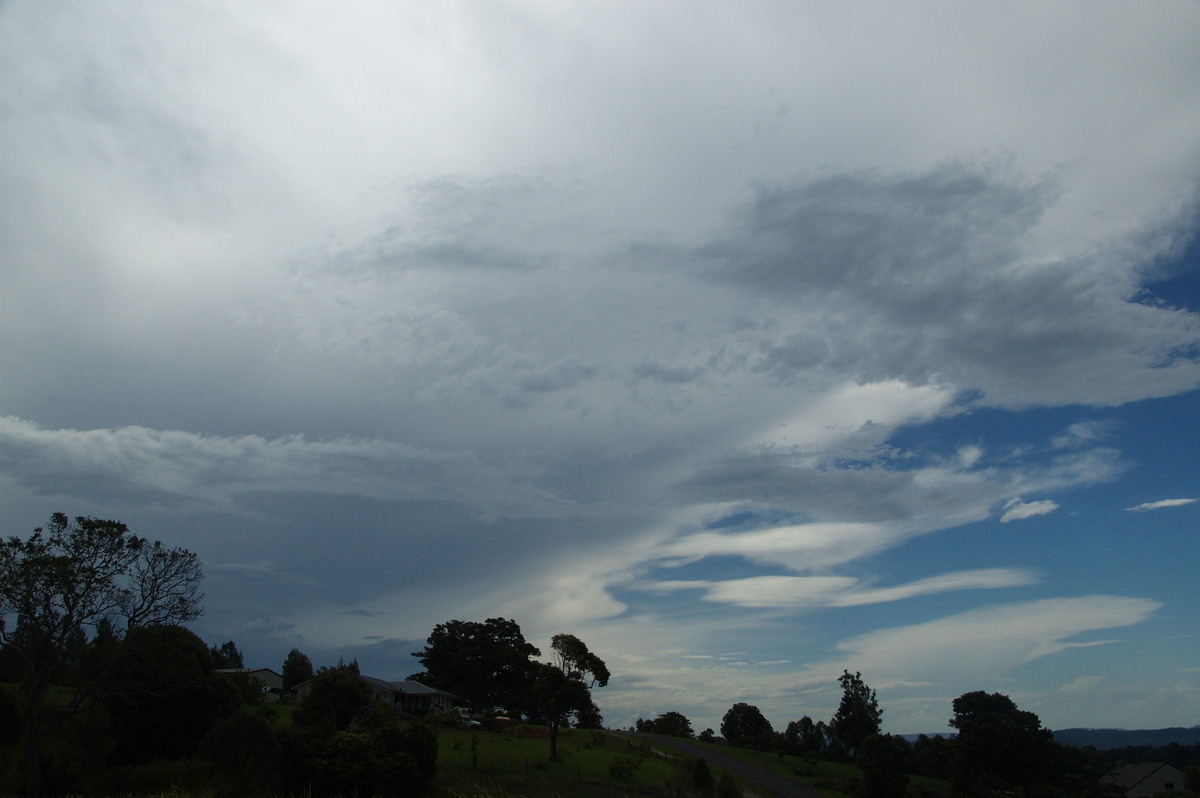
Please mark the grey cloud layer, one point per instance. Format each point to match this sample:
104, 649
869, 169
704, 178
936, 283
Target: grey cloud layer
592, 298
182, 466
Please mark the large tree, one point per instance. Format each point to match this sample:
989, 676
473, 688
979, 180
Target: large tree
485, 663
564, 686
297, 669
71, 578
745, 726
806, 737
999, 746
885, 761
672, 724
162, 694
858, 714
337, 698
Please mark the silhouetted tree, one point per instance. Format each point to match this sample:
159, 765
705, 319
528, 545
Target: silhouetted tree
743, 725
335, 699
564, 686
297, 669
162, 695
672, 724
227, 656
998, 745
485, 663
805, 737
858, 715
884, 761
933, 756
67, 578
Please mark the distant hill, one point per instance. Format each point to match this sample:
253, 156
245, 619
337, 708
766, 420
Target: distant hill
1103, 739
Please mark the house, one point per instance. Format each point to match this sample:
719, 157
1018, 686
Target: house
271, 682
1146, 779
411, 698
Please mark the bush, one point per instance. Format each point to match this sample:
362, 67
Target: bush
246, 751
702, 778
727, 786
158, 776
384, 757
622, 768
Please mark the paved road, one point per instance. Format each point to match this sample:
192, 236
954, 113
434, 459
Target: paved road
777, 785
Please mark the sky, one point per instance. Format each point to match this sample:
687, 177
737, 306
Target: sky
750, 342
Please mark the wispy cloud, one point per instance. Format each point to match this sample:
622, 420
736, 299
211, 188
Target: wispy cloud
183, 466
992, 640
1158, 505
832, 591
1016, 509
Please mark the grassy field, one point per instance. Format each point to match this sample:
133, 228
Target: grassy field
515, 763
593, 764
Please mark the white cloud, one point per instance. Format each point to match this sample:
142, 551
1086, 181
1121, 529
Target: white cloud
969, 455
833, 591
855, 416
1158, 505
1082, 684
1015, 510
800, 548
990, 641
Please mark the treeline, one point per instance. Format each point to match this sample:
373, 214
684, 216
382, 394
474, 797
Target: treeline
999, 749
111, 694
1181, 756
149, 710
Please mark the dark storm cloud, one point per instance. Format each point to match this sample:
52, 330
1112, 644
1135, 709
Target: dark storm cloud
922, 277
885, 237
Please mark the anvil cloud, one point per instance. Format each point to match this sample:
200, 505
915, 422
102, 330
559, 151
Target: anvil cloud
746, 341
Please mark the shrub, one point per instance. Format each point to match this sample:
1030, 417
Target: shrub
622, 768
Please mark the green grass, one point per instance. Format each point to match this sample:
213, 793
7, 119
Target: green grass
480, 764
824, 777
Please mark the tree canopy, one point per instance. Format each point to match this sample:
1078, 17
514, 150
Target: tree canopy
672, 724
297, 669
72, 576
162, 695
999, 745
564, 686
743, 725
485, 663
337, 698
858, 715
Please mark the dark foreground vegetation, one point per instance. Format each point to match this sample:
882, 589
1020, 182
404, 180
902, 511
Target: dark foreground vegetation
104, 692
999, 750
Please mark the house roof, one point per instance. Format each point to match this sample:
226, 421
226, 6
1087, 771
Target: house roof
245, 670
1130, 776
406, 687
410, 687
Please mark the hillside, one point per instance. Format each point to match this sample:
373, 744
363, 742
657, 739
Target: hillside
1103, 739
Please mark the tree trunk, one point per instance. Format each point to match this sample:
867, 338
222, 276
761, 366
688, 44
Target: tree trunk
553, 741
33, 764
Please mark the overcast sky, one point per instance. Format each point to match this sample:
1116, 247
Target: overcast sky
747, 341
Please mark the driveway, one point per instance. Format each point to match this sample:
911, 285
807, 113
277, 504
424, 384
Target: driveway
775, 785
